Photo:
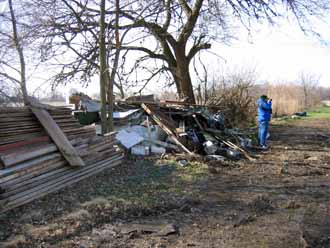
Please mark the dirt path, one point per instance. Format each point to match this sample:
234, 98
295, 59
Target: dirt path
281, 200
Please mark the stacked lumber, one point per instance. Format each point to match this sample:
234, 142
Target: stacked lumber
17, 124
33, 166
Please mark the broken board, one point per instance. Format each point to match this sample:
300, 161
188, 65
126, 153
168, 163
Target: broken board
167, 130
59, 138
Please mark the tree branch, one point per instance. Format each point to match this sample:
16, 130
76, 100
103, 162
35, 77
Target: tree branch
168, 15
150, 53
185, 7
191, 22
78, 18
10, 78
153, 27
196, 48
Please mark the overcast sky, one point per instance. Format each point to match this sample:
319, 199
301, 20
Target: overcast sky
280, 54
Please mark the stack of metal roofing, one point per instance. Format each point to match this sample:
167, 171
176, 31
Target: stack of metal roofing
32, 165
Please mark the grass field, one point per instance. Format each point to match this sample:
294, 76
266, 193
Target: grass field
319, 112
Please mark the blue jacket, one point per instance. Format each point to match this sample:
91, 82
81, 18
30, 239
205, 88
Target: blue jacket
264, 110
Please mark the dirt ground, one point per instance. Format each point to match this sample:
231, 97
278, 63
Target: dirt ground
280, 200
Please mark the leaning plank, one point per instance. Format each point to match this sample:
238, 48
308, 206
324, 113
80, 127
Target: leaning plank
61, 141
165, 128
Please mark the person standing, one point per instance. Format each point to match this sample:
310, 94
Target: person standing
264, 115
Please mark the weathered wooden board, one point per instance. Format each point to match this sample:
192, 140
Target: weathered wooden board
61, 141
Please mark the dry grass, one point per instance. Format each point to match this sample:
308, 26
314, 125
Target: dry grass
78, 215
291, 98
238, 104
287, 99
15, 242
98, 201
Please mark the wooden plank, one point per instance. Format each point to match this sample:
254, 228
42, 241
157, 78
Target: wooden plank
13, 180
165, 128
71, 173
14, 158
23, 137
17, 131
46, 191
18, 124
13, 109
11, 118
29, 164
34, 182
61, 141
58, 183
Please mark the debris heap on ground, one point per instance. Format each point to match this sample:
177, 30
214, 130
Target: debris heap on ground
188, 128
44, 150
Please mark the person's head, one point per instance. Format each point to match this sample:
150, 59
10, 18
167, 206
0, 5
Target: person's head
264, 97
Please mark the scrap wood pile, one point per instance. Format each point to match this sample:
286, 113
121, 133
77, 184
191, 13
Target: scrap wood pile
191, 128
42, 151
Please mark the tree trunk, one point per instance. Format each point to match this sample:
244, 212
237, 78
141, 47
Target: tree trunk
110, 103
19, 49
114, 69
182, 76
103, 69
305, 96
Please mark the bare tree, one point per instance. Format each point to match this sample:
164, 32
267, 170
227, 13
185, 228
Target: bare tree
71, 42
19, 49
19, 53
309, 83
12, 59
183, 28
171, 32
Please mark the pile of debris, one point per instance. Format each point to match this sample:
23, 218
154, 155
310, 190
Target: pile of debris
43, 150
180, 127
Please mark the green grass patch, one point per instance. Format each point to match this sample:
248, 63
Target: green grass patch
150, 181
319, 112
